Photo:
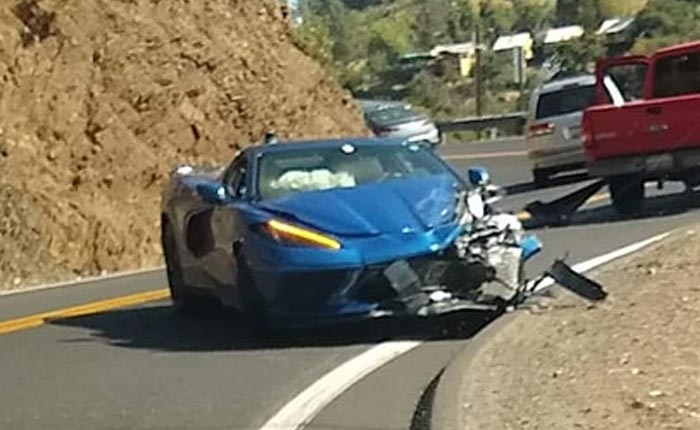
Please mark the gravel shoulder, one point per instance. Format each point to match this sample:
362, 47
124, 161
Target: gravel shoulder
632, 362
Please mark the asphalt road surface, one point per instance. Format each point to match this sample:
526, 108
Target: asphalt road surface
141, 367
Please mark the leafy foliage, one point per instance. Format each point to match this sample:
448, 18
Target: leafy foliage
620, 8
361, 41
580, 55
666, 22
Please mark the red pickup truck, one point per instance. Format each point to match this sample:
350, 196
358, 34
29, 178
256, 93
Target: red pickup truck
645, 124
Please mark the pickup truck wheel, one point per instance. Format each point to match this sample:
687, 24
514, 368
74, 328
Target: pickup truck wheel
627, 194
541, 177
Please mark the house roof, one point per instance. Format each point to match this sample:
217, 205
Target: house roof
455, 49
563, 34
614, 25
512, 41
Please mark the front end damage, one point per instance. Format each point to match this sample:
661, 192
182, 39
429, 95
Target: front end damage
482, 269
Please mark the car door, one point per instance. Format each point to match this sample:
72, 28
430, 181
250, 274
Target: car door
676, 98
227, 227
621, 120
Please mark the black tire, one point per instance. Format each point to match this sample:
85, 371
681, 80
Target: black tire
627, 194
541, 177
184, 301
253, 305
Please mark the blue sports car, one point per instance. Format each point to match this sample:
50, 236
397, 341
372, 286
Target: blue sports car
321, 230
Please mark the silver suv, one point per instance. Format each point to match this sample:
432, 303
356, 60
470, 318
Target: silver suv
554, 126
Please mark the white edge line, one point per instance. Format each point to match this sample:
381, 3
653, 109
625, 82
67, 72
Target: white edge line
303, 408
306, 405
81, 281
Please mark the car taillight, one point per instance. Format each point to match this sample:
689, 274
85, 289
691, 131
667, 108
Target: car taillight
586, 136
543, 129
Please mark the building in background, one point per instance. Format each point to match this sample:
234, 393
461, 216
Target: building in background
522, 41
563, 34
464, 52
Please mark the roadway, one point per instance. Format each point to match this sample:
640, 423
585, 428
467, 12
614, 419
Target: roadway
141, 367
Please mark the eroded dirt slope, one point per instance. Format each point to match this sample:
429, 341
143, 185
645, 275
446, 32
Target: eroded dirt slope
100, 98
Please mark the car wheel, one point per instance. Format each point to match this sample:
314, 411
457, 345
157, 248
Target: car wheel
627, 194
253, 305
541, 177
184, 301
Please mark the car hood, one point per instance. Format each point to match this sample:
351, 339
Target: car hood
411, 205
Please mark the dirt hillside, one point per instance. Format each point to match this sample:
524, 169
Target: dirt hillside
99, 99
632, 362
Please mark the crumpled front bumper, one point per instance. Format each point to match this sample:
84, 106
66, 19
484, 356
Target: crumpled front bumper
393, 288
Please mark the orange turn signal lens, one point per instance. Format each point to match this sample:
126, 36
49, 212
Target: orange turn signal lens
283, 232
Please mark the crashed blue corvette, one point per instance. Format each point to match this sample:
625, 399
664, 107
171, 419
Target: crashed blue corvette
340, 229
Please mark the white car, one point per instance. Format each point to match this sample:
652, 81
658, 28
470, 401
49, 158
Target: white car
400, 120
554, 126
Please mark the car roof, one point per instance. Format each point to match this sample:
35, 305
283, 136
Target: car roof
297, 145
560, 84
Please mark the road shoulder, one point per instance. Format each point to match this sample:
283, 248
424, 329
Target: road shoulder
566, 364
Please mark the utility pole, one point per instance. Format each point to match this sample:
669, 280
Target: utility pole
477, 71
519, 67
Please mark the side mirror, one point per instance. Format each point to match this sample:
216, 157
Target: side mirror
213, 193
478, 176
422, 143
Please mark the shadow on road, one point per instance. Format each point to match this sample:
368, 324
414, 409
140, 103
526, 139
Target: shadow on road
526, 187
159, 328
654, 207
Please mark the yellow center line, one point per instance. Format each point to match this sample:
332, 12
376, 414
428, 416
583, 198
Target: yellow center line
482, 155
37, 320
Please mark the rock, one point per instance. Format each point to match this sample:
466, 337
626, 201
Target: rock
655, 393
637, 404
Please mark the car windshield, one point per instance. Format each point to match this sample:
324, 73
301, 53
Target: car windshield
565, 101
392, 115
282, 173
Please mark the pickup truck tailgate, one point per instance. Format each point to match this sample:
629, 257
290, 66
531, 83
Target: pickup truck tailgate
642, 127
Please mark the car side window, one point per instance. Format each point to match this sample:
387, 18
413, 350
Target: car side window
236, 179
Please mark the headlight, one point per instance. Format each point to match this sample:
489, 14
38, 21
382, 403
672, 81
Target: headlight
295, 235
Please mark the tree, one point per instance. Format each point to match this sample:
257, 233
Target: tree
431, 23
578, 56
533, 15
578, 12
620, 8
337, 20
315, 40
666, 22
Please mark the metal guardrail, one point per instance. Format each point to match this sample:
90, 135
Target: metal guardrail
513, 122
